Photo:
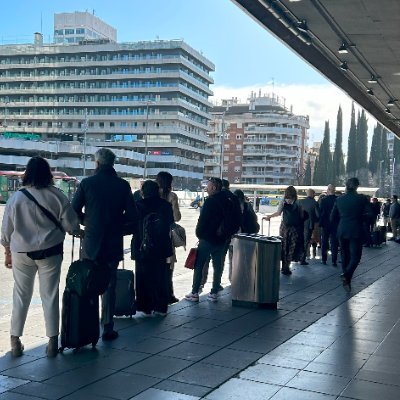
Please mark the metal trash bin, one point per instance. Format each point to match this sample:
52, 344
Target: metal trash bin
255, 270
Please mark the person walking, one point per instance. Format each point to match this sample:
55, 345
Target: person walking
164, 180
212, 241
33, 232
394, 215
385, 214
350, 211
291, 229
328, 228
152, 251
106, 208
310, 205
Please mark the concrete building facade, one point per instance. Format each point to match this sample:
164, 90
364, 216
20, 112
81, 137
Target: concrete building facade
263, 142
149, 98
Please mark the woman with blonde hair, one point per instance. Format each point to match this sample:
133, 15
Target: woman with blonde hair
291, 228
164, 180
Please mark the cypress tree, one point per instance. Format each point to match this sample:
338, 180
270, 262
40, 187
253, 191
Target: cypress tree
323, 164
351, 165
307, 175
338, 159
362, 141
385, 153
375, 152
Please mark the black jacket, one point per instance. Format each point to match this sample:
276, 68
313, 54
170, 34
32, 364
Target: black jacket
351, 211
210, 219
325, 209
310, 205
164, 209
109, 208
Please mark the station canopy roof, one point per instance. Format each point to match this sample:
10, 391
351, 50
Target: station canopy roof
354, 43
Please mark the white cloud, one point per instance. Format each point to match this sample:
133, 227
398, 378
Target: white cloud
319, 102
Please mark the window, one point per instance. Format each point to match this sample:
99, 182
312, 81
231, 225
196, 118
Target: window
237, 169
69, 31
238, 158
112, 124
70, 125
91, 124
226, 146
239, 136
226, 158
80, 31
238, 147
49, 124
101, 124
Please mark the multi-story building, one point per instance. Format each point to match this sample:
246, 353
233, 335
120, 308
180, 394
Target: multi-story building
263, 142
78, 26
149, 98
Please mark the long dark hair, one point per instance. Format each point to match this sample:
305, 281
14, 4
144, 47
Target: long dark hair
290, 193
37, 173
164, 180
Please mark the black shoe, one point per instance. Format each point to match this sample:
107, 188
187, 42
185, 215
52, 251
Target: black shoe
304, 263
220, 288
173, 300
346, 284
109, 335
286, 271
323, 262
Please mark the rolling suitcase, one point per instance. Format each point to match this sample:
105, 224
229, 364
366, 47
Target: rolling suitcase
125, 293
80, 325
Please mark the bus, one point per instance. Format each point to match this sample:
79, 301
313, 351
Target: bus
10, 182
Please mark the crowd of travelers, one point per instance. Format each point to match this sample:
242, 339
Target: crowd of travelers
38, 216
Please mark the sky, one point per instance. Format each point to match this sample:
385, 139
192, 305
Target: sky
246, 56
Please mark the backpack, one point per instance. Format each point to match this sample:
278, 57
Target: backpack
155, 237
249, 220
231, 216
291, 215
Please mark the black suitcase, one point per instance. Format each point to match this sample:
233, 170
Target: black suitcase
125, 293
382, 231
80, 323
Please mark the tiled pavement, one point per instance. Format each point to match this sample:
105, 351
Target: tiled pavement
321, 343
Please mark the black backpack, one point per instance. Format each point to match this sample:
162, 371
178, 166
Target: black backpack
155, 242
249, 220
291, 215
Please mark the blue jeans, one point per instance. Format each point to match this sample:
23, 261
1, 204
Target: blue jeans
205, 250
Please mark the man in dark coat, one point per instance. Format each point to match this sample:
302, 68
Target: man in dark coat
109, 210
328, 228
211, 244
350, 212
310, 205
155, 218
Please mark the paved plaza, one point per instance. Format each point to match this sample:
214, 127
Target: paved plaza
321, 342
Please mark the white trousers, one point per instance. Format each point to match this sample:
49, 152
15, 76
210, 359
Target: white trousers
24, 272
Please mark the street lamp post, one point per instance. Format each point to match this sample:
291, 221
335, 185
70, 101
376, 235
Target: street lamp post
85, 128
221, 161
145, 140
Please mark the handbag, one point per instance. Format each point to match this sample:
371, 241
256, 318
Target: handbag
178, 235
191, 258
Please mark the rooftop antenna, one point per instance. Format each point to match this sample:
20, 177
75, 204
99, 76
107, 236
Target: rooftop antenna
273, 85
41, 22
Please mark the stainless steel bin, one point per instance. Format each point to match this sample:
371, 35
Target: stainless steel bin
255, 270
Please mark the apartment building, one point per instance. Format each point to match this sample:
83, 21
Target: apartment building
149, 99
263, 142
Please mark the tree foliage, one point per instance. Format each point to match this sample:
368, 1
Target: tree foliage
351, 166
338, 159
307, 175
323, 164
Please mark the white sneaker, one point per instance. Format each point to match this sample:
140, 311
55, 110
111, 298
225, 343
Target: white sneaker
192, 297
212, 297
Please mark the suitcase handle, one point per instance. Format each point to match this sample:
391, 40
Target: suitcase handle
262, 225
